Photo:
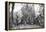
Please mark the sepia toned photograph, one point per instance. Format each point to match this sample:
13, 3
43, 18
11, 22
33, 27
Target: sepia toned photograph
24, 15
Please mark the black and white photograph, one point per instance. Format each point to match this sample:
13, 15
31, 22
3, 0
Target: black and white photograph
24, 15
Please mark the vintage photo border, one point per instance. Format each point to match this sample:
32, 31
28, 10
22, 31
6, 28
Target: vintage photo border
6, 15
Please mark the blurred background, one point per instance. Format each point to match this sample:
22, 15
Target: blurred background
26, 15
